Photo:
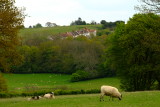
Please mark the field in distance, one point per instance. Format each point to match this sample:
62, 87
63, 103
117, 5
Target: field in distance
47, 31
20, 82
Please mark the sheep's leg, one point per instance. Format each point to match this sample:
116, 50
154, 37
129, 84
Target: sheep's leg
109, 98
112, 99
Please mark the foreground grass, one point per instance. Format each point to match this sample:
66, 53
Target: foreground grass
130, 99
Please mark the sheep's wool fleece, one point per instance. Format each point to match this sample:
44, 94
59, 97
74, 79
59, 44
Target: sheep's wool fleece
109, 90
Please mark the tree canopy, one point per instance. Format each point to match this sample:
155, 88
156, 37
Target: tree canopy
11, 20
78, 22
134, 52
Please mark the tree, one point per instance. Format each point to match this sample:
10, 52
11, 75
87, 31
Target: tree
149, 6
11, 20
110, 25
78, 22
103, 22
93, 22
134, 52
49, 24
30, 26
38, 25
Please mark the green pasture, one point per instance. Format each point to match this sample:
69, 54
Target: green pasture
130, 99
19, 82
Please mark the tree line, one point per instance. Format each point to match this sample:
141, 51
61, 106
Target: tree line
79, 56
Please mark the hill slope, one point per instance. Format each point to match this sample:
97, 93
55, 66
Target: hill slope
53, 30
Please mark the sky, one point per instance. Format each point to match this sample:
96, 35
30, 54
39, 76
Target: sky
63, 12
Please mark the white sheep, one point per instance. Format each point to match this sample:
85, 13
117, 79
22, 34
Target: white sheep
110, 91
49, 95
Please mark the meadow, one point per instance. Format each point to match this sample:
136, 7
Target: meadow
130, 99
20, 81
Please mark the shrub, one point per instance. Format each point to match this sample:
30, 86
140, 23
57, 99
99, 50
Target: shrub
79, 76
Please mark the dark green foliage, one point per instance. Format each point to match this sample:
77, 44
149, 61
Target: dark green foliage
134, 52
62, 56
79, 76
103, 32
38, 25
110, 25
78, 22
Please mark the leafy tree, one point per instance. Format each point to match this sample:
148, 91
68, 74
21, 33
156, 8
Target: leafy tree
134, 52
11, 20
49, 24
38, 25
110, 24
49, 58
103, 22
30, 26
78, 22
93, 22
30, 63
149, 6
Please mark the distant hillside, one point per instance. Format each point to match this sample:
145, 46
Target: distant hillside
46, 31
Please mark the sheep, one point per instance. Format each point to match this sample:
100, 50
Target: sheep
49, 95
34, 98
110, 91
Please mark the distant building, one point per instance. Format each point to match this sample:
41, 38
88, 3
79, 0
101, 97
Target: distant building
85, 32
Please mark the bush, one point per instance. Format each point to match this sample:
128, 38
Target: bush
79, 76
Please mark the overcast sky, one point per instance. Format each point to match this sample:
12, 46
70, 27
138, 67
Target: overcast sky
63, 12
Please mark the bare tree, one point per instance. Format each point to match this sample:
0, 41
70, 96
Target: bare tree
49, 24
148, 6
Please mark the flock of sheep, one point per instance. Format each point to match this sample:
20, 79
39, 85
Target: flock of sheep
110, 91
47, 96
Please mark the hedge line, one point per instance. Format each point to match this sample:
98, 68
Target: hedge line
56, 92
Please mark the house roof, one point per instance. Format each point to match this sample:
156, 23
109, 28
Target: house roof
78, 32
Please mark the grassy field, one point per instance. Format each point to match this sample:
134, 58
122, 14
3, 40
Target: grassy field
20, 82
130, 99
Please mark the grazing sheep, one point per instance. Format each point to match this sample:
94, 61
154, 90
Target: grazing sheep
34, 98
110, 91
49, 95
